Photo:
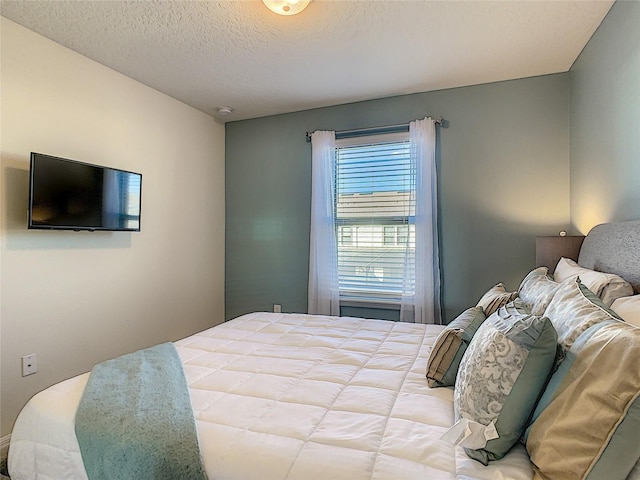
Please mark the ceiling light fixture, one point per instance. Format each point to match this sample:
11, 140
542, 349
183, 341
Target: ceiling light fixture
286, 7
224, 110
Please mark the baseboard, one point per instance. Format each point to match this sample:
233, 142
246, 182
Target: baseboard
4, 447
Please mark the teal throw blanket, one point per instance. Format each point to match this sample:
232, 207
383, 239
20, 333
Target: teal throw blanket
135, 419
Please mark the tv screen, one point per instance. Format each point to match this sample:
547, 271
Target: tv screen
69, 195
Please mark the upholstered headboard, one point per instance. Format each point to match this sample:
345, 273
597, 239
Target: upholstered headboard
614, 248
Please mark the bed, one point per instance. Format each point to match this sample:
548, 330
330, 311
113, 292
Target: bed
298, 396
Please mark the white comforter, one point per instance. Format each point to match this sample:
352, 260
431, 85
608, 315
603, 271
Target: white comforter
290, 396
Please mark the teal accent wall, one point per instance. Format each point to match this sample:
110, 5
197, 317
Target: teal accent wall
605, 122
503, 162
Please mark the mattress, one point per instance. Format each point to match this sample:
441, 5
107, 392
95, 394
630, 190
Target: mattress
289, 396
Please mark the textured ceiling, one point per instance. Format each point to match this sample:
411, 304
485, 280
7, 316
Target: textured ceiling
238, 53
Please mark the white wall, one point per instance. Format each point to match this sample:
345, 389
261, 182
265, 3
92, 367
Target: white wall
76, 299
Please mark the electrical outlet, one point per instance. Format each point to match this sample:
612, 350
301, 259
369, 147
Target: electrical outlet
29, 364
277, 308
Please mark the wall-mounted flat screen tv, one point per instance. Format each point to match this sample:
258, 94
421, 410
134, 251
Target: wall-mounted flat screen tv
70, 195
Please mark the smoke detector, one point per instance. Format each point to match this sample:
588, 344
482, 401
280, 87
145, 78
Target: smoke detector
224, 111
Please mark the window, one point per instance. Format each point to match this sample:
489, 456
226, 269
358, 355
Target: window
361, 185
346, 235
389, 234
375, 212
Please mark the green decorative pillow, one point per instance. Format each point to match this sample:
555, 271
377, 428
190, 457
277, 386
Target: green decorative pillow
573, 309
450, 345
537, 290
500, 379
496, 297
594, 396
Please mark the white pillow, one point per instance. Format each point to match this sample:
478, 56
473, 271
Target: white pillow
607, 286
628, 308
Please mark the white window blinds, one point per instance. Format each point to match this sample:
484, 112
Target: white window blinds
375, 215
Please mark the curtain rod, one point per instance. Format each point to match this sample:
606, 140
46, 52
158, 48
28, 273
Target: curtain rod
372, 130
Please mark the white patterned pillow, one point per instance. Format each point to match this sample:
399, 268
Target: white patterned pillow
607, 286
499, 381
537, 290
573, 309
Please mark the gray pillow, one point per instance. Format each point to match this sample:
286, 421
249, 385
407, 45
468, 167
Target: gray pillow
447, 351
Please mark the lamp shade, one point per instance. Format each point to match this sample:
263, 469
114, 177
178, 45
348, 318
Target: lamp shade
549, 250
286, 7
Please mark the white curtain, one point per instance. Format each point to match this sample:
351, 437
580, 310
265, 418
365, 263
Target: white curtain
324, 295
423, 304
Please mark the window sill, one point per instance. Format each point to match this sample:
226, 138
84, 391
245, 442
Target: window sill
384, 304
